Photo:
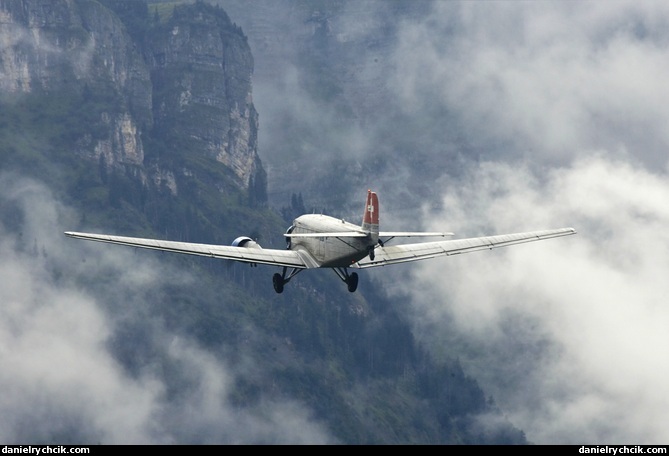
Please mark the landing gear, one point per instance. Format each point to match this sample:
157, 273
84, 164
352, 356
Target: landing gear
279, 280
351, 280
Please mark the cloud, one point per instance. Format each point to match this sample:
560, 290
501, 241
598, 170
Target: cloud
62, 378
564, 101
547, 79
569, 334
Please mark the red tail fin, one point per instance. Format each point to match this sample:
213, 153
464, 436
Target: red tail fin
370, 218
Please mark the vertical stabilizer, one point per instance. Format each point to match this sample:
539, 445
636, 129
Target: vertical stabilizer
370, 219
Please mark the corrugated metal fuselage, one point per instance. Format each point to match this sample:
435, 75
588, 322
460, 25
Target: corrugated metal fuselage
330, 251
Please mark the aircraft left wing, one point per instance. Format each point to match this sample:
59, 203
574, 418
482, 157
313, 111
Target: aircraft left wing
421, 251
275, 257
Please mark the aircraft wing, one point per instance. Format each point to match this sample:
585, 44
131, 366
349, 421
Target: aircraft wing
425, 250
290, 258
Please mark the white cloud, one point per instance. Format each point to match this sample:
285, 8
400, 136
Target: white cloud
60, 379
569, 335
548, 78
565, 102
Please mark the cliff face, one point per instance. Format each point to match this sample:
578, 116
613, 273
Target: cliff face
184, 85
62, 45
202, 67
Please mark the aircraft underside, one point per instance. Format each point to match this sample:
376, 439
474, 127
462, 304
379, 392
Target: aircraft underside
335, 253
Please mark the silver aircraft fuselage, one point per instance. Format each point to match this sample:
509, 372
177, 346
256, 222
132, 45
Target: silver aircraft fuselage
331, 251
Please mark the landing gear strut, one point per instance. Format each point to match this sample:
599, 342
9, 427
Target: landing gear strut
351, 280
279, 280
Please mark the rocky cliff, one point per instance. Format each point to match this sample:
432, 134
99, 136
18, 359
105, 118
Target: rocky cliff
178, 88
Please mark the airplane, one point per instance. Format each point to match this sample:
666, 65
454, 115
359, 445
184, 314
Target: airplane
322, 241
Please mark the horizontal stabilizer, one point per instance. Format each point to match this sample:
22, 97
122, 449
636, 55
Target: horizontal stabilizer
354, 234
412, 234
362, 234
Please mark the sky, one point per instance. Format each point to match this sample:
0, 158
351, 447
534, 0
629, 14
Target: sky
562, 109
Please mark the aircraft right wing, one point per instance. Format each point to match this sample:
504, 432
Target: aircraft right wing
275, 257
421, 251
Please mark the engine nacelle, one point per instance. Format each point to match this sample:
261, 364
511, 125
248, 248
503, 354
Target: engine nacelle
246, 242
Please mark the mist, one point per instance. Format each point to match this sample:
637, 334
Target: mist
60, 334
568, 336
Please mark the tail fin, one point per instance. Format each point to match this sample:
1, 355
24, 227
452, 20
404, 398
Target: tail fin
370, 218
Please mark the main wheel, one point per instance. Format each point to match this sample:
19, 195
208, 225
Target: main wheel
278, 282
352, 282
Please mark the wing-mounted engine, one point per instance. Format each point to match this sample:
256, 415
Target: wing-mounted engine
246, 242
